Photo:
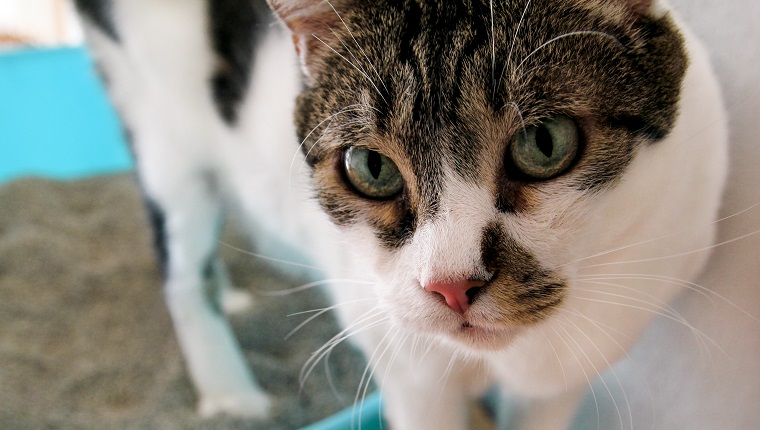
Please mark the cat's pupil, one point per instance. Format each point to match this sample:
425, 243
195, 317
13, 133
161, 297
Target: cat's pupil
544, 141
374, 164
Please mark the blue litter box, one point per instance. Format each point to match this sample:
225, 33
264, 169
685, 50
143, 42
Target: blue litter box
56, 122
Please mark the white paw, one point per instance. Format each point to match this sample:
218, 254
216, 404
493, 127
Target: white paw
235, 301
252, 404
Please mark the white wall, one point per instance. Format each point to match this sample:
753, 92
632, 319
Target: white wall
43, 22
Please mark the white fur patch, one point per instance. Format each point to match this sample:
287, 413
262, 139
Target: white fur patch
448, 247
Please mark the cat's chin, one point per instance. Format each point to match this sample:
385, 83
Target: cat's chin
480, 337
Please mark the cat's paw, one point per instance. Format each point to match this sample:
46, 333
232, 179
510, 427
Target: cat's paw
253, 404
236, 301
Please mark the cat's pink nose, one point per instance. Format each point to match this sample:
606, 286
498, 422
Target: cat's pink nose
458, 294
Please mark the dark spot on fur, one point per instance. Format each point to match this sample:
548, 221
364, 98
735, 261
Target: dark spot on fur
99, 13
473, 293
639, 127
398, 234
525, 291
210, 278
513, 196
339, 212
157, 219
155, 213
236, 26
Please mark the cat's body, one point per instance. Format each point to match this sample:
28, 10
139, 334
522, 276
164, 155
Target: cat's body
159, 60
536, 285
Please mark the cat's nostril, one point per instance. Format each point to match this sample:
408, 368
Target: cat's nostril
473, 292
439, 295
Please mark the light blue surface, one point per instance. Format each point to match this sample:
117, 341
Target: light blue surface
365, 416
55, 120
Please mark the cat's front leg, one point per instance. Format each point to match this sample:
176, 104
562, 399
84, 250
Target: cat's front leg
187, 211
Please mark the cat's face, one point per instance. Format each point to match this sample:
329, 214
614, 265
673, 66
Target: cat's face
469, 150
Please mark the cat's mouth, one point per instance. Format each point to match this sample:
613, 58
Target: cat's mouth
483, 337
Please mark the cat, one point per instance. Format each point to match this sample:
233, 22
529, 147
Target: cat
515, 186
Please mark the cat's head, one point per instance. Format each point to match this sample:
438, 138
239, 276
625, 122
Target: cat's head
472, 151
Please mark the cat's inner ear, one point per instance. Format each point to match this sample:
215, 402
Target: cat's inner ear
640, 6
314, 26
650, 8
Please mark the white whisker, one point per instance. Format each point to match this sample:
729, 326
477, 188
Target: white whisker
445, 376
366, 378
267, 258
318, 313
493, 54
394, 355
659, 303
335, 306
329, 346
359, 108
598, 374
614, 374
665, 236
357, 45
697, 288
680, 254
350, 52
351, 108
357, 121
656, 278
330, 381
309, 285
556, 354
355, 67
585, 374
362, 323
601, 328
662, 314
522, 118
572, 33
514, 41
396, 351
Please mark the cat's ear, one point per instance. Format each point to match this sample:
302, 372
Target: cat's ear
313, 25
650, 8
639, 6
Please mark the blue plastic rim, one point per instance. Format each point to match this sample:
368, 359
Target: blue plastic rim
365, 415
55, 119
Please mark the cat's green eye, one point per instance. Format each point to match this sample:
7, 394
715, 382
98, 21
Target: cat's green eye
371, 173
545, 150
